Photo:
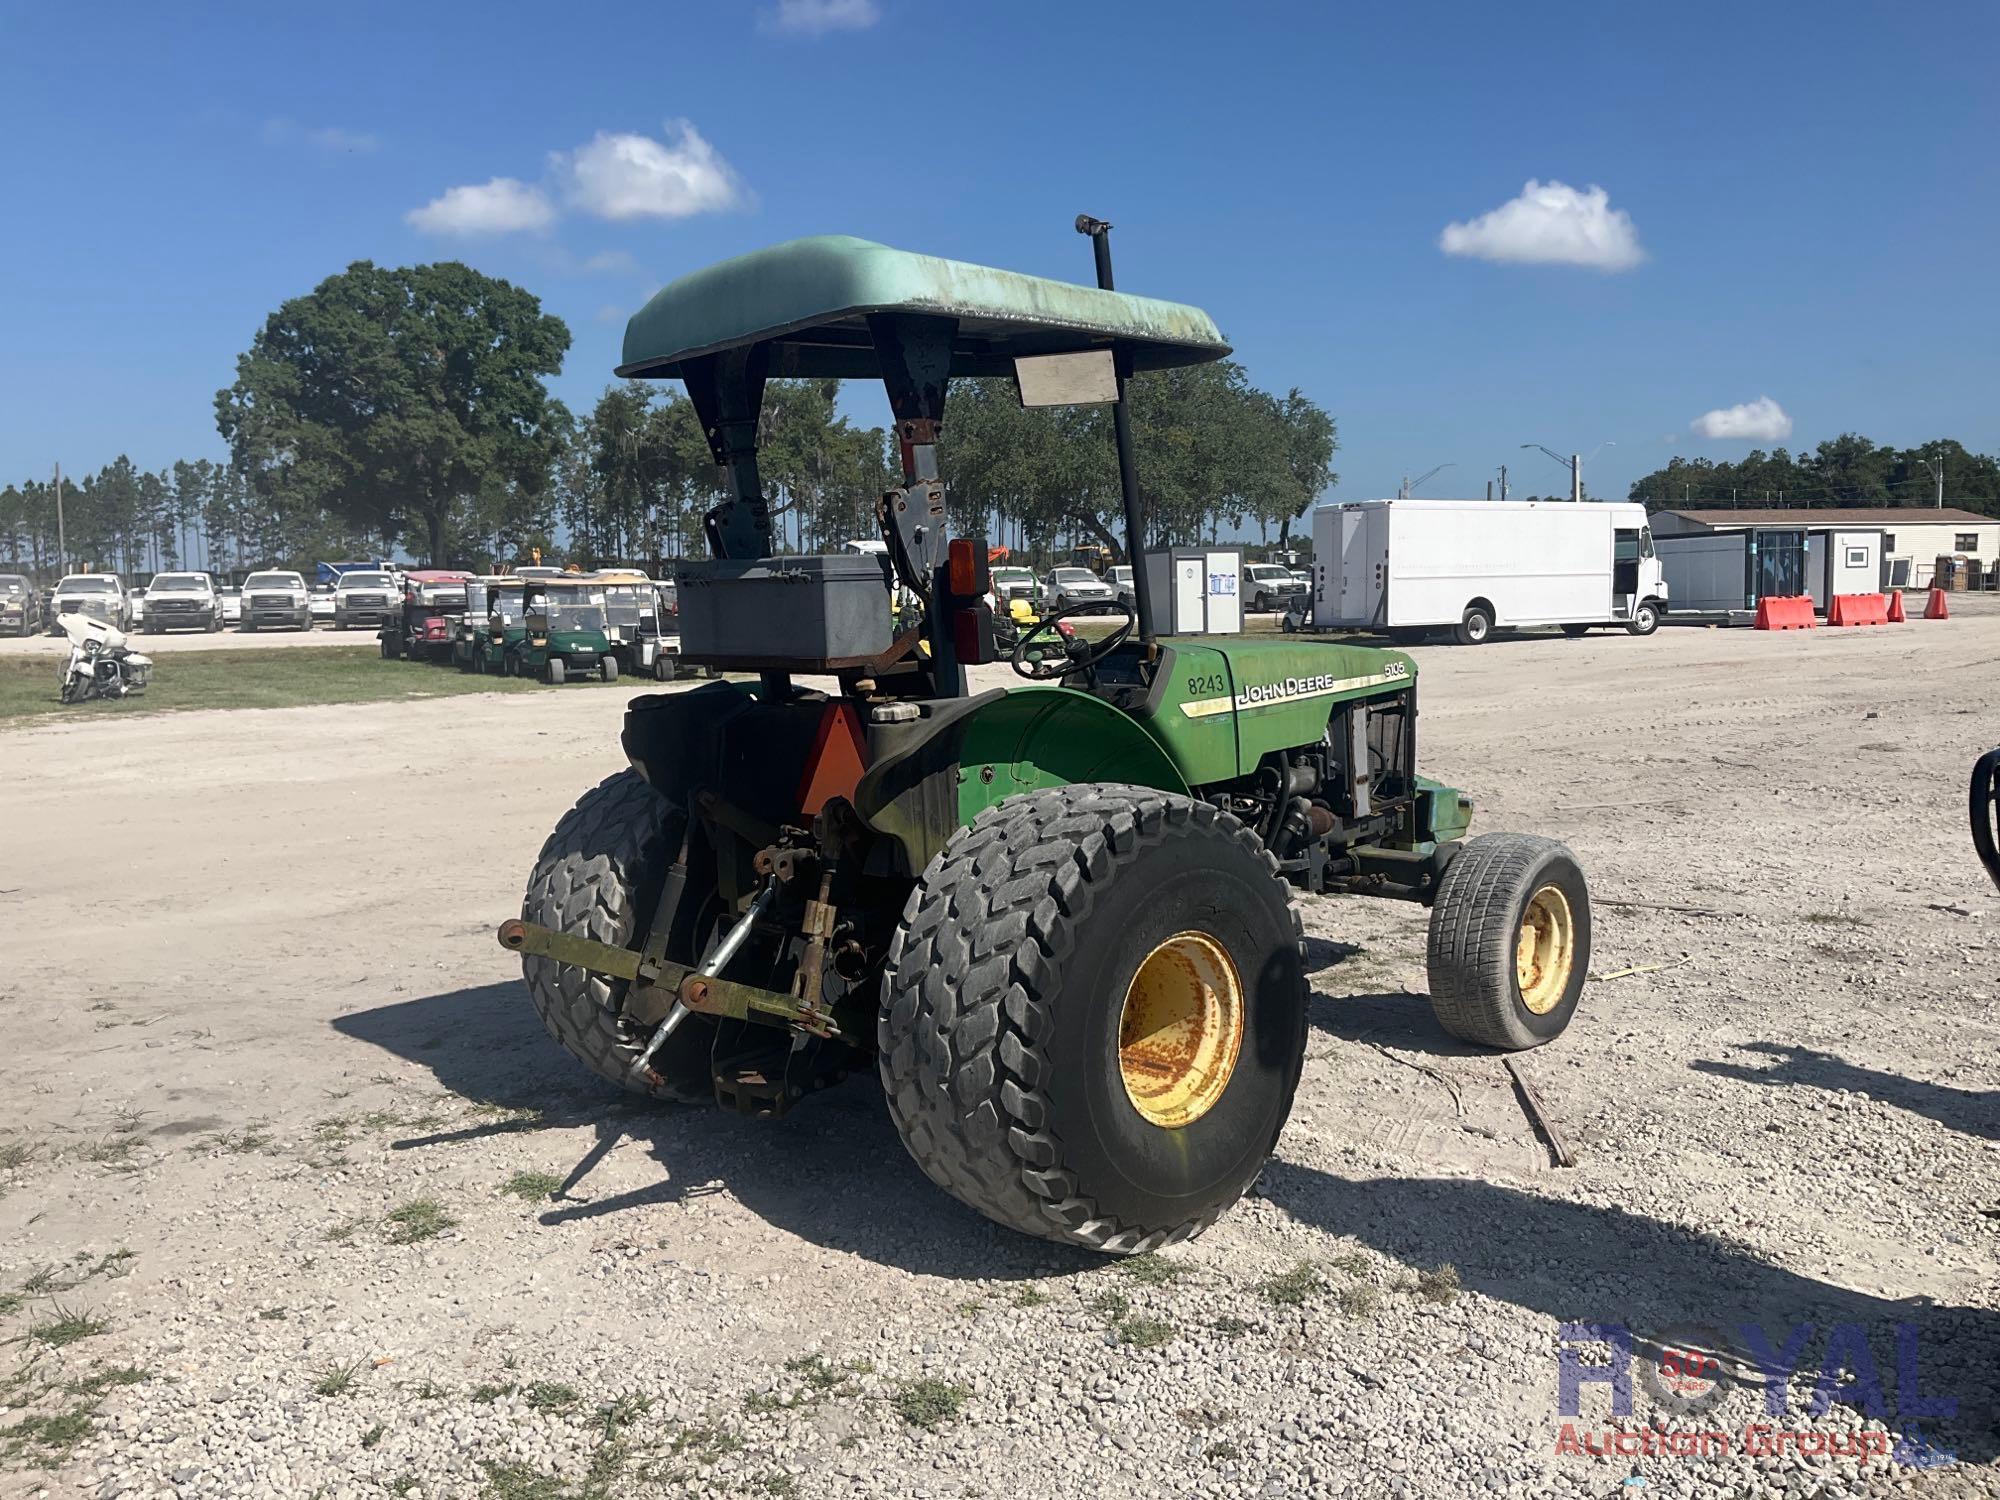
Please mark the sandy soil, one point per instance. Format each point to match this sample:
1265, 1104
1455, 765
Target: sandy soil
223, 931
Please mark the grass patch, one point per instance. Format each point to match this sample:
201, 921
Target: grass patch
1142, 1332
1231, 1326
705, 1441
531, 1186
272, 1315
63, 1328
1152, 1270
419, 1219
1111, 1304
115, 1151
1440, 1285
47, 1441
93, 1386
510, 1481
929, 1403
48, 1279
815, 1371
551, 1395
1357, 1299
344, 1232
247, 679
1293, 1288
373, 1435
1221, 1452
15, 1154
338, 1380
778, 1484
1030, 1296
488, 1393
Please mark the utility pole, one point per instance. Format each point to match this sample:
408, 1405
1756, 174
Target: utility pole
1575, 479
1489, 491
1503, 483
62, 535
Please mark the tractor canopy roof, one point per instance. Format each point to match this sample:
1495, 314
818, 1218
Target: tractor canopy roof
809, 301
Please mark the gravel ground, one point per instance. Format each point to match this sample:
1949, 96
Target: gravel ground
270, 1083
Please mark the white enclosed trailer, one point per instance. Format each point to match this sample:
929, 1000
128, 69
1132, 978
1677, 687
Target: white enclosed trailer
1474, 566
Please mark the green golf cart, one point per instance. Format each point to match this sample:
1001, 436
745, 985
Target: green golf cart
565, 637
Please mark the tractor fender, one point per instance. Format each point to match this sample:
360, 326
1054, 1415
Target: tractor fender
925, 784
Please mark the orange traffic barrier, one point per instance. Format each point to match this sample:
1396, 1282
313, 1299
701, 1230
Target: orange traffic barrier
1785, 613
1896, 615
1858, 609
1935, 610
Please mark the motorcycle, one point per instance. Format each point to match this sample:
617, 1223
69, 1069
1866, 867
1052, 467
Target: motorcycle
100, 664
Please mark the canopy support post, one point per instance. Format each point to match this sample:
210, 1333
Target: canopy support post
1128, 464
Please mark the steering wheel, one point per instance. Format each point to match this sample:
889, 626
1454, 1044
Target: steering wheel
1074, 655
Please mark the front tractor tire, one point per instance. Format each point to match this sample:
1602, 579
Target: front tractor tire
1094, 1015
1509, 941
599, 876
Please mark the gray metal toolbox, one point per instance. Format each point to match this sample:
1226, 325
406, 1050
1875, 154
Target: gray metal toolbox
795, 613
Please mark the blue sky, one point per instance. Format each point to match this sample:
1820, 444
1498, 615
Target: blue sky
1798, 203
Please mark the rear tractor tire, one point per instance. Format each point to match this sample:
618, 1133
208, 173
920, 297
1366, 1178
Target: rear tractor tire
1509, 941
598, 876
1094, 1015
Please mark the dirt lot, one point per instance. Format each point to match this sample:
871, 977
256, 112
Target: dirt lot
268, 1077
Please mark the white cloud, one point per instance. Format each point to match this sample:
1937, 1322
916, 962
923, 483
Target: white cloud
611, 263
501, 206
610, 312
1761, 421
618, 176
332, 139
1551, 223
817, 17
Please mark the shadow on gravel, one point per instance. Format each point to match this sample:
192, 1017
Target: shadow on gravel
832, 1172
1972, 1111
1584, 1263
1396, 1019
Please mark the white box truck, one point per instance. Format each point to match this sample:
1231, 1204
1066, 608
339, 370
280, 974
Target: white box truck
1411, 567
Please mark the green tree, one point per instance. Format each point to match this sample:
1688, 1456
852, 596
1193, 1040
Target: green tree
393, 399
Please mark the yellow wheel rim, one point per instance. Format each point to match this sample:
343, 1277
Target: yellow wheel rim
1545, 950
1181, 1030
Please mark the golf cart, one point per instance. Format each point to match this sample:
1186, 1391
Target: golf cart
426, 621
565, 630
1056, 918
503, 626
468, 634
632, 624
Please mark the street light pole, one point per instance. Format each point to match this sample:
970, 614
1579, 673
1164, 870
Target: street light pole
1409, 486
1574, 463
1937, 473
62, 535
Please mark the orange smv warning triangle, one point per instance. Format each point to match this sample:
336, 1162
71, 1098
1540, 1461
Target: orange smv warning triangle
839, 756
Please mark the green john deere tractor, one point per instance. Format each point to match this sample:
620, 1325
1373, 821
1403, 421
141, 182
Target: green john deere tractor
1056, 919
